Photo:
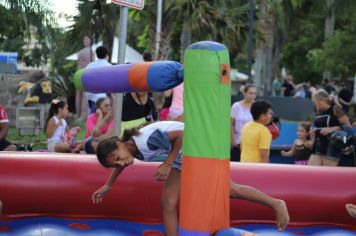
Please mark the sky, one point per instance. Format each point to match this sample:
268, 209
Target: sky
64, 6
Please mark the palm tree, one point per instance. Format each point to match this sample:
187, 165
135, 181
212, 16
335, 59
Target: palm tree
221, 21
275, 19
38, 21
97, 19
33, 13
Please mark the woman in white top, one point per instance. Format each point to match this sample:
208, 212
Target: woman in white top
56, 128
240, 115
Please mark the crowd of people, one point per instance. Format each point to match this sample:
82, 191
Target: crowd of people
316, 142
341, 94
144, 139
250, 137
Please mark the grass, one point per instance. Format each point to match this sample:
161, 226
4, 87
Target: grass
39, 141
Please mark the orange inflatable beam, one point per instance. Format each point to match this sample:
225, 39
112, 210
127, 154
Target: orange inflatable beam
61, 185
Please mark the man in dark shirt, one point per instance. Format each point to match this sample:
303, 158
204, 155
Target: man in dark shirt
288, 87
344, 98
328, 87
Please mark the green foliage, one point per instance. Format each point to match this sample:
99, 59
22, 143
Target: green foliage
337, 54
25, 29
11, 32
305, 34
307, 54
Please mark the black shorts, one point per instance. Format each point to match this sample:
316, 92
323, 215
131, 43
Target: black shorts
323, 147
235, 153
4, 144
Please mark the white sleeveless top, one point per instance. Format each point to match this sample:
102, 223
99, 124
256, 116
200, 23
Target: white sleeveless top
242, 115
59, 134
154, 141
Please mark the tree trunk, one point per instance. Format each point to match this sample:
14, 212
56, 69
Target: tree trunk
269, 53
329, 31
186, 35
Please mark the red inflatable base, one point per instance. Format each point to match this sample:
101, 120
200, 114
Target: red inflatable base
61, 185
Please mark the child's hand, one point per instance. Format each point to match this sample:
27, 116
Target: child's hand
109, 116
98, 195
163, 172
283, 153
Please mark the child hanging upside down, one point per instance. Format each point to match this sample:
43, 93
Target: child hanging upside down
147, 142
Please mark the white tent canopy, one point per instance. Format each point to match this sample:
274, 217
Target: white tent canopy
238, 76
131, 55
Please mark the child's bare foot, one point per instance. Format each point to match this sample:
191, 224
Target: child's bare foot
248, 234
282, 216
351, 209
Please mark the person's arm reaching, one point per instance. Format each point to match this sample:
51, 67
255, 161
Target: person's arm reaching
289, 153
98, 195
176, 139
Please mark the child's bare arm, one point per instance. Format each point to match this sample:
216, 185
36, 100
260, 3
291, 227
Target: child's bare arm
98, 195
176, 139
114, 174
51, 127
289, 153
101, 123
264, 155
310, 143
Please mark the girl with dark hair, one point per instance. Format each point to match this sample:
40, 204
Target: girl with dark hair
302, 146
56, 128
137, 109
160, 138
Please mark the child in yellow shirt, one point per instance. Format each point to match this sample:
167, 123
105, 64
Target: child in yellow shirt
255, 136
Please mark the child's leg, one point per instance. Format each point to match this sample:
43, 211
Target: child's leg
351, 209
254, 195
169, 202
62, 147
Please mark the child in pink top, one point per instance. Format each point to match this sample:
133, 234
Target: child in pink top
103, 109
176, 110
